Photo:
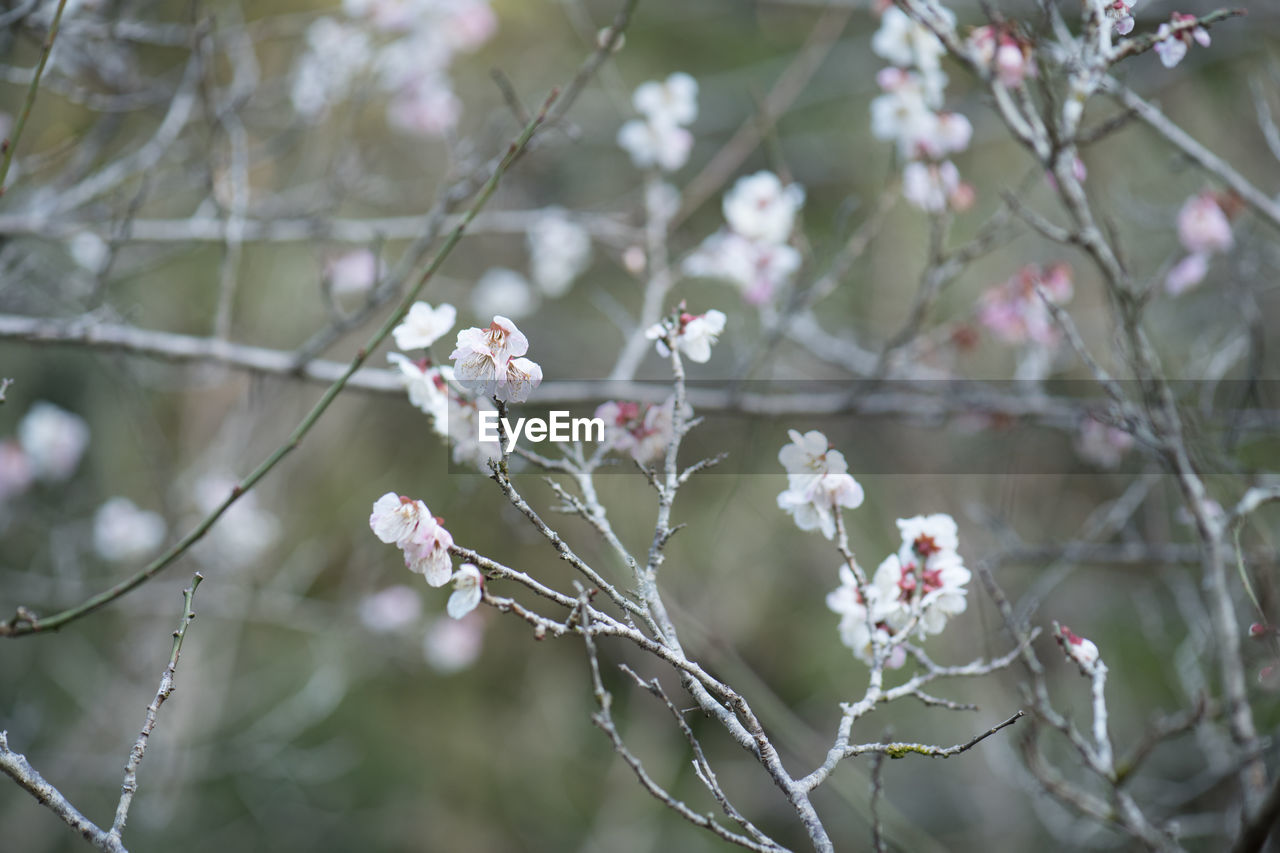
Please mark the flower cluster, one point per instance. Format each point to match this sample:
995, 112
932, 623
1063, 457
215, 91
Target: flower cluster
404, 46
693, 334
490, 362
642, 430
818, 482
1014, 310
660, 138
752, 250
1008, 55
913, 592
1204, 229
1120, 13
425, 544
1173, 45
909, 113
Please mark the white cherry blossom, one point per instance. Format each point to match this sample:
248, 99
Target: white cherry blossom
660, 144
694, 334
468, 589
489, 361
53, 440
673, 101
559, 252
396, 519
424, 325
761, 208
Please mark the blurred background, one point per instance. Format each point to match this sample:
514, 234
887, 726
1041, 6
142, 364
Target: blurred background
324, 701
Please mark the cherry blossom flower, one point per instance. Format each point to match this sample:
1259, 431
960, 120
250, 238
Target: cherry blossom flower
122, 531
673, 101
1016, 313
905, 114
427, 106
1000, 49
428, 387
694, 334
926, 576
424, 325
53, 440
1172, 46
1102, 444
392, 609
462, 429
904, 42
451, 645
762, 209
1186, 274
354, 272
427, 551
489, 361
1120, 12
1083, 652
337, 54
758, 270
1203, 226
644, 431
559, 252
809, 457
395, 519
660, 144
818, 482
468, 588
933, 187
857, 631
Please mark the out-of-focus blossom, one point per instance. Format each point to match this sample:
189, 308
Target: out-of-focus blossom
1016, 313
53, 440
489, 361
905, 43
89, 251
1083, 652
1204, 229
451, 645
906, 114
656, 143
392, 609
503, 291
661, 200
463, 432
16, 475
1172, 46
559, 252
1102, 444
426, 107
427, 386
935, 187
122, 531
1186, 274
673, 101
468, 589
424, 325
642, 430
694, 334
1000, 49
353, 273
759, 270
1120, 12
762, 209
336, 55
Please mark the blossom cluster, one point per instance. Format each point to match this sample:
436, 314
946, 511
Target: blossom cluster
660, 137
425, 544
909, 113
1015, 311
818, 482
641, 430
692, 334
402, 47
752, 251
1204, 230
914, 592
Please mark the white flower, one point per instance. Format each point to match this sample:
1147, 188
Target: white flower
53, 440
396, 519
1203, 226
1172, 46
929, 534
694, 336
391, 609
336, 54
759, 270
559, 252
468, 586
927, 576
426, 106
424, 325
813, 505
462, 429
1120, 13
855, 633
427, 386
122, 532
932, 187
89, 251
656, 143
503, 291
427, 551
673, 101
488, 362
761, 209
904, 42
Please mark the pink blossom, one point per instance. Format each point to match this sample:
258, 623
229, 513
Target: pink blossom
1016, 313
450, 645
1186, 274
1083, 652
1120, 12
1203, 226
642, 430
427, 552
391, 609
1001, 49
16, 475
1102, 444
354, 272
1172, 46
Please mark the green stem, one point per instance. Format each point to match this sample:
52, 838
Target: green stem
11, 143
